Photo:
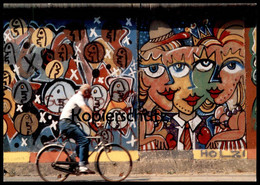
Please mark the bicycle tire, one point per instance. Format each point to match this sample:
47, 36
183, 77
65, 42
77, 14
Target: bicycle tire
114, 163
44, 161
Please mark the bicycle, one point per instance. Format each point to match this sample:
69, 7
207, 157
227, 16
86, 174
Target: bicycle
55, 161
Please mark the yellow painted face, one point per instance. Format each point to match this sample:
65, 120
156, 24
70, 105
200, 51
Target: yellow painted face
18, 27
168, 78
181, 60
54, 69
42, 37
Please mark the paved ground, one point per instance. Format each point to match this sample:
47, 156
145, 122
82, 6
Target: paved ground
245, 177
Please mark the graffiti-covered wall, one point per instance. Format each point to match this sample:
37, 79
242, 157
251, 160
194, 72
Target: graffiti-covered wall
193, 76
44, 64
167, 82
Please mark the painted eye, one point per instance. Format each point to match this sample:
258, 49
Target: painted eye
179, 70
154, 70
233, 67
204, 65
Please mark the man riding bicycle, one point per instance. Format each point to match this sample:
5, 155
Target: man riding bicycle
71, 130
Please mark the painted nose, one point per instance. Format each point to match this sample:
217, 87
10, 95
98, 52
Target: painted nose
215, 76
192, 85
171, 80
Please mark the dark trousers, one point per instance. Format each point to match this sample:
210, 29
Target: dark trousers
71, 130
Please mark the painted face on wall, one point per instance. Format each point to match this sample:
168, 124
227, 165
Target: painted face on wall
57, 95
26, 123
55, 101
9, 53
22, 92
41, 37
18, 27
118, 90
98, 98
159, 76
122, 57
231, 70
180, 67
204, 77
94, 52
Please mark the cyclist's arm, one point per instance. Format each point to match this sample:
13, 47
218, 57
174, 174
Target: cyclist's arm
85, 108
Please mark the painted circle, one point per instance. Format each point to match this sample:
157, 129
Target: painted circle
18, 27
57, 95
118, 122
42, 37
26, 123
22, 92
54, 69
6, 106
94, 52
122, 57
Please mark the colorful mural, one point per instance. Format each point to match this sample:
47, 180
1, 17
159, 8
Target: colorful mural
192, 79
44, 64
157, 85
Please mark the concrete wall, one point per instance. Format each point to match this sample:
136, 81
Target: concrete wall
175, 65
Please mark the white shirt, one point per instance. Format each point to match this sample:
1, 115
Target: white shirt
76, 101
193, 124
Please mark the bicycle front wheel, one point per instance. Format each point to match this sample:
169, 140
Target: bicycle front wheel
45, 163
114, 163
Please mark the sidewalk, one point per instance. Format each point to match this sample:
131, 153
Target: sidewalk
163, 163
161, 166
241, 177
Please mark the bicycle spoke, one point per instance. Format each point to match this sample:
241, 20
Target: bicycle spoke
114, 163
46, 167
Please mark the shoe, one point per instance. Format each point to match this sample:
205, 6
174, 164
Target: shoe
85, 170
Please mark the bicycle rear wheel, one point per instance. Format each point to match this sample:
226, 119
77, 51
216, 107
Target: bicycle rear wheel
45, 160
114, 163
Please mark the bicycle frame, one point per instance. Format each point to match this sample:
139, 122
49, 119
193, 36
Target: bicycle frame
73, 164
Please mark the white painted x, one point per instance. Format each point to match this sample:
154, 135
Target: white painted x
73, 74
78, 51
42, 119
96, 20
101, 80
37, 99
77, 60
7, 36
126, 40
54, 125
93, 32
128, 23
132, 141
19, 108
24, 142
108, 51
16, 69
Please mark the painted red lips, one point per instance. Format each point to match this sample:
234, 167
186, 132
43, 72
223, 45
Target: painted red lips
192, 100
169, 94
214, 93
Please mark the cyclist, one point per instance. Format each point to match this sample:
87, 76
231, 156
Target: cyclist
68, 127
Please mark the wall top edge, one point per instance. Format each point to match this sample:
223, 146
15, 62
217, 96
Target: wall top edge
122, 5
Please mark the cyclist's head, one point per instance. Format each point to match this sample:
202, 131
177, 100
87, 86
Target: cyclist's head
86, 90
